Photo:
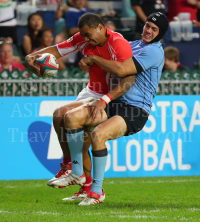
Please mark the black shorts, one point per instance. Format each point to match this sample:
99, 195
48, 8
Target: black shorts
134, 117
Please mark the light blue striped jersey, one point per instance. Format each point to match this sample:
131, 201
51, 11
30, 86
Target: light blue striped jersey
151, 59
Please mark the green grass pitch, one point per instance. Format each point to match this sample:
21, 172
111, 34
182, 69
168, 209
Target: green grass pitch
127, 199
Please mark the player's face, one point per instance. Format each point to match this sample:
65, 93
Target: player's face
6, 54
36, 22
47, 38
92, 35
150, 31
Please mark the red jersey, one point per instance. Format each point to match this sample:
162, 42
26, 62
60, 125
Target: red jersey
14, 65
116, 48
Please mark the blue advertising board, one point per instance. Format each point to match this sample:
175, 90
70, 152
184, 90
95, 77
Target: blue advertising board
169, 144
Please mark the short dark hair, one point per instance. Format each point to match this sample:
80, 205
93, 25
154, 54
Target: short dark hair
90, 19
172, 53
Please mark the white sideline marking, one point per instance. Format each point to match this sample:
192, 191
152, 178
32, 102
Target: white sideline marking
34, 185
41, 212
147, 211
136, 216
121, 182
32, 212
150, 217
193, 209
4, 211
115, 215
10, 187
150, 181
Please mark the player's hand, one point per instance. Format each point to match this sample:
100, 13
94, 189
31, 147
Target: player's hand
30, 64
97, 108
88, 60
83, 66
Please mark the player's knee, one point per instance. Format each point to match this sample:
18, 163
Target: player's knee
57, 118
68, 119
98, 136
71, 120
57, 114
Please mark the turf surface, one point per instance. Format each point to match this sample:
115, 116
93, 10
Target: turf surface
127, 199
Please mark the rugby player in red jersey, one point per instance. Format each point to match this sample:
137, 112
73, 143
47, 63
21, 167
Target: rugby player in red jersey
93, 39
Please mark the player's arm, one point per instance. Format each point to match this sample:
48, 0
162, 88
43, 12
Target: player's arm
123, 86
33, 56
69, 46
121, 69
123, 64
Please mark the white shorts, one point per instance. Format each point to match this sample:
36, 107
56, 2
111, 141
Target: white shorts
87, 95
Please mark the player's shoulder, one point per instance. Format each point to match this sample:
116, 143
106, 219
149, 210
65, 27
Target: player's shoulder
76, 37
135, 43
156, 48
117, 38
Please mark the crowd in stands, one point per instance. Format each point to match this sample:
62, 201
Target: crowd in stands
68, 12
172, 60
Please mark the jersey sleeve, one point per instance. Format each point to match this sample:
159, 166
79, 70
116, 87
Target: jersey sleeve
149, 57
70, 45
123, 50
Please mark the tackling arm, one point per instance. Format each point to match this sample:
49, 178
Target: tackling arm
121, 69
123, 86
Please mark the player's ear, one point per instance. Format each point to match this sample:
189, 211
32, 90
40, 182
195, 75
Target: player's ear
100, 26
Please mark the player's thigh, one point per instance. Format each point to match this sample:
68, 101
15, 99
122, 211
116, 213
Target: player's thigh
81, 100
82, 116
110, 129
60, 112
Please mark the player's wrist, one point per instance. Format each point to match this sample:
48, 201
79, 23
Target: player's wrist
93, 58
106, 99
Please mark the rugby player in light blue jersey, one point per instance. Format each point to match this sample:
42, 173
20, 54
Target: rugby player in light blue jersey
124, 110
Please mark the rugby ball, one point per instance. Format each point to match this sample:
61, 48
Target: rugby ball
47, 64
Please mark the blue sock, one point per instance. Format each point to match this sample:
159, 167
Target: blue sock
75, 140
99, 165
